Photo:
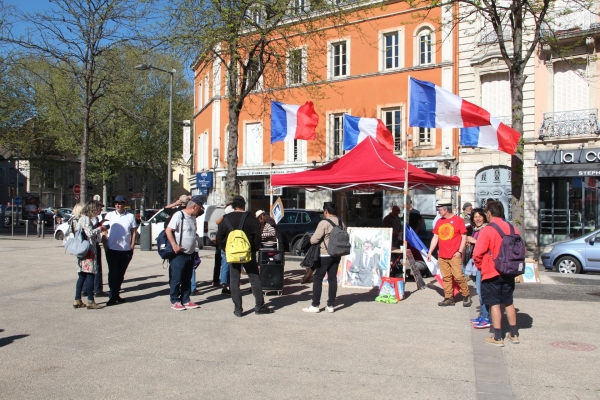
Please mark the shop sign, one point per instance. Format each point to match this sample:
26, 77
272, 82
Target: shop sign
576, 156
204, 180
257, 172
425, 164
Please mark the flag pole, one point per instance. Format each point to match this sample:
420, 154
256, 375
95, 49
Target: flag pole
405, 194
270, 177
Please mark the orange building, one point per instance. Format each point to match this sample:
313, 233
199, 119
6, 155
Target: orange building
362, 70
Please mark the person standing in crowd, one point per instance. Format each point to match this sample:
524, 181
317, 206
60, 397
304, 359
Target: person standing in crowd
326, 263
268, 230
221, 271
97, 222
87, 265
392, 220
177, 205
181, 233
119, 247
251, 229
451, 234
478, 221
466, 214
496, 289
40, 216
415, 220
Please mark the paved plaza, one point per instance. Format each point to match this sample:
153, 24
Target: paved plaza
365, 350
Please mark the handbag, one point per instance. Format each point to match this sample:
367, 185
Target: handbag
311, 257
78, 245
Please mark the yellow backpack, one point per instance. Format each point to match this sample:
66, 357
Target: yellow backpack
237, 249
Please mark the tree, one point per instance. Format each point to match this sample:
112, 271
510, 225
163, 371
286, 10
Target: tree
72, 37
250, 40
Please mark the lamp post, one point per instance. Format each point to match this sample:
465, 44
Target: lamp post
146, 67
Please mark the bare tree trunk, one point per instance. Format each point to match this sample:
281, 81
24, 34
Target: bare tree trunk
104, 193
143, 199
231, 187
84, 154
517, 81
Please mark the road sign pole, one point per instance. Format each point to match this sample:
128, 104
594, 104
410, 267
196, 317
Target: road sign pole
12, 220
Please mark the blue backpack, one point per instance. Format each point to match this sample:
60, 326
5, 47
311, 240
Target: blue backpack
165, 250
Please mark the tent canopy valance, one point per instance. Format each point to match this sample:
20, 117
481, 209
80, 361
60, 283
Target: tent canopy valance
367, 167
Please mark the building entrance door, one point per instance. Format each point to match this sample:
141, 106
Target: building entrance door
494, 183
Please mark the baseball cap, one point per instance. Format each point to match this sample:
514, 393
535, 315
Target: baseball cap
195, 199
184, 198
120, 199
259, 213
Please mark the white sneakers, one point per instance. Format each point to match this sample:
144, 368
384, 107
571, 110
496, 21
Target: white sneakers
313, 309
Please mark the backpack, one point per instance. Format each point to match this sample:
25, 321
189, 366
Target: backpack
78, 245
339, 241
165, 250
511, 258
237, 249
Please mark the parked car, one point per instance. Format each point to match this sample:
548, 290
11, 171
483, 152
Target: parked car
8, 215
207, 224
61, 229
157, 223
149, 213
574, 256
48, 217
63, 214
295, 223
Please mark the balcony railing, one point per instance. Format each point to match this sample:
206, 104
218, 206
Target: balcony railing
489, 35
570, 123
505, 119
562, 21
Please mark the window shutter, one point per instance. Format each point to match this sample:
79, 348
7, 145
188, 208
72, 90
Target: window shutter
571, 90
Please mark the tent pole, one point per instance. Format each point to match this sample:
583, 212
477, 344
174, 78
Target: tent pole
270, 176
405, 197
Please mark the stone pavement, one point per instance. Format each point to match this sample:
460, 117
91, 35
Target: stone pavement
143, 349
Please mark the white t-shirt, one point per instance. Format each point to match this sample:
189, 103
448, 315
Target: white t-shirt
188, 239
119, 233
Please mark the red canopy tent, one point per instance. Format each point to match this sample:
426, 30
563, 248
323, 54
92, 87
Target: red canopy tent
368, 166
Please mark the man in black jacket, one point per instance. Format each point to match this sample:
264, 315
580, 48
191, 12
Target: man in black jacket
252, 231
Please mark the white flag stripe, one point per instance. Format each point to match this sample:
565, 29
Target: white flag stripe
291, 115
447, 109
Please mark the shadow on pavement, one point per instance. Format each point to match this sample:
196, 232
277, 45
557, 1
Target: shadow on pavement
144, 286
142, 278
9, 339
162, 292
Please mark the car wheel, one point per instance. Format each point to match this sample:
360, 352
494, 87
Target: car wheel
568, 265
59, 235
296, 248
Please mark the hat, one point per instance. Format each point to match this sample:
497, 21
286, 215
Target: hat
466, 205
238, 198
120, 199
228, 209
184, 198
259, 213
444, 202
195, 199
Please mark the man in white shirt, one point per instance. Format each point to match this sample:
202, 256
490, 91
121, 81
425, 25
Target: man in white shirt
181, 233
119, 247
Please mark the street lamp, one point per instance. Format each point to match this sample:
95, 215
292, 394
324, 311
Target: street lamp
146, 67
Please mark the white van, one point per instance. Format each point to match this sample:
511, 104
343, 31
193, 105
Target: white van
158, 225
207, 224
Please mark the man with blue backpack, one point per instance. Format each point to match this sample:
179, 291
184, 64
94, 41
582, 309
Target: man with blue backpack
500, 256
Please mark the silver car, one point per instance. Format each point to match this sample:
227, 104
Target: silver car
574, 256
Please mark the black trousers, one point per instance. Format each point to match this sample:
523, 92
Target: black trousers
329, 266
217, 267
117, 261
236, 295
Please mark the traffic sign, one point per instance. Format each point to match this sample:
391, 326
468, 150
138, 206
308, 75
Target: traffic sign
77, 197
136, 196
76, 189
18, 200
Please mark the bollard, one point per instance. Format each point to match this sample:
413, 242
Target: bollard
43, 228
27, 229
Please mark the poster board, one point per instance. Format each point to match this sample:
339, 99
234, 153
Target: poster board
277, 211
369, 258
531, 273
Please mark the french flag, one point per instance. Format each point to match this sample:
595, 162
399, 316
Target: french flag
292, 122
356, 129
433, 107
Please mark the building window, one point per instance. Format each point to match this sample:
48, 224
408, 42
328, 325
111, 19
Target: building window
339, 60
392, 120
425, 137
206, 89
425, 47
571, 88
253, 141
299, 6
295, 151
203, 151
495, 95
337, 125
392, 57
296, 67
131, 181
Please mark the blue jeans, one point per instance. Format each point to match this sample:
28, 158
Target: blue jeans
87, 280
193, 287
483, 310
181, 268
224, 269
